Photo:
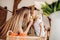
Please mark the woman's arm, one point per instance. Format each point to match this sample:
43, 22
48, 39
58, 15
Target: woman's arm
31, 22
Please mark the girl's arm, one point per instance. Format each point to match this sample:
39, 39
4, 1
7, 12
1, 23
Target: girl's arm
21, 21
31, 22
40, 27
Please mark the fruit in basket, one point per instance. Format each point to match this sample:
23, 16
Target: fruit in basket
13, 34
22, 34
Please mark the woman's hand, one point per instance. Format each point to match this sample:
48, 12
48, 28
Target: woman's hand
31, 19
31, 22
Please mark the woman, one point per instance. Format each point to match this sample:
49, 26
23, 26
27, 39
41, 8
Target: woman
15, 23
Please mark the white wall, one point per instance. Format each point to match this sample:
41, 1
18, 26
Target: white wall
55, 26
27, 3
9, 4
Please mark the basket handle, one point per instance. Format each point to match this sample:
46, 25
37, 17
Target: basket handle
9, 32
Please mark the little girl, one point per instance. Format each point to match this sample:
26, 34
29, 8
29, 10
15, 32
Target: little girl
38, 24
21, 21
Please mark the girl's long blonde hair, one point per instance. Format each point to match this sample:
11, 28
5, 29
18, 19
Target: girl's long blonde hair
14, 23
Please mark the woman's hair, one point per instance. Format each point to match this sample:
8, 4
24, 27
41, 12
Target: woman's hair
14, 22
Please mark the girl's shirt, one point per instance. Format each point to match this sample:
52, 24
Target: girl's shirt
37, 24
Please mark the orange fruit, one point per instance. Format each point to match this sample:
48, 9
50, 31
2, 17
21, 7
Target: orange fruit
13, 34
22, 34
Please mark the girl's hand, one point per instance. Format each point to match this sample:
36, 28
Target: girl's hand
31, 22
31, 19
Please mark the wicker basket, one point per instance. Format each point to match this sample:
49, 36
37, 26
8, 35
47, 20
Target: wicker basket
24, 38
